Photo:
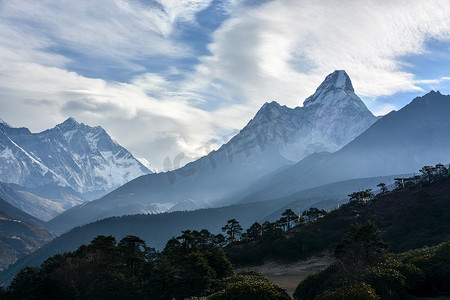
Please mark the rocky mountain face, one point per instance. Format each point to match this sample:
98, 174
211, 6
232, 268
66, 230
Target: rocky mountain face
330, 118
71, 155
276, 137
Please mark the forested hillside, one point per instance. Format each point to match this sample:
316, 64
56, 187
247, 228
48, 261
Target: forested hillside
414, 214
364, 270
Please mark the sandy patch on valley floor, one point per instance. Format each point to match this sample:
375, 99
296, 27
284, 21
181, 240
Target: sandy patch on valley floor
288, 275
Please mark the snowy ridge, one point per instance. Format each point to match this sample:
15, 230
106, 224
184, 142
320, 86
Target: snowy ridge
4, 123
70, 154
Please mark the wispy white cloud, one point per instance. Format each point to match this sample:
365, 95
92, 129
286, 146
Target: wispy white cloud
119, 29
184, 10
432, 81
282, 50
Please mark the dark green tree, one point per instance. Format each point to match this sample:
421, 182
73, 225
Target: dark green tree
361, 247
133, 251
282, 223
196, 275
24, 285
271, 231
254, 232
205, 238
128, 270
306, 215
233, 229
161, 281
219, 262
441, 170
189, 239
355, 291
219, 240
314, 213
173, 248
383, 188
290, 216
428, 174
361, 196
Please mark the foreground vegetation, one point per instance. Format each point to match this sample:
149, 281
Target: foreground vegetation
363, 270
190, 265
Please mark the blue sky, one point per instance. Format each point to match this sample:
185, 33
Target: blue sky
165, 77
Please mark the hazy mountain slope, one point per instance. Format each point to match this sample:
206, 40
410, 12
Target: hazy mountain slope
64, 196
154, 194
18, 236
41, 208
70, 154
401, 142
279, 181
14, 213
331, 117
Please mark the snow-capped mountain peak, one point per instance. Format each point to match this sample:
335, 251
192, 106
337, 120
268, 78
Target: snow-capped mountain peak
338, 80
331, 117
70, 154
336, 85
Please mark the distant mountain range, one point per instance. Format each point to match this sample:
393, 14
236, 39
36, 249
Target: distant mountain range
71, 162
276, 137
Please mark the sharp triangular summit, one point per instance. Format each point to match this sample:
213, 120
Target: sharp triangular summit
336, 85
338, 80
70, 121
